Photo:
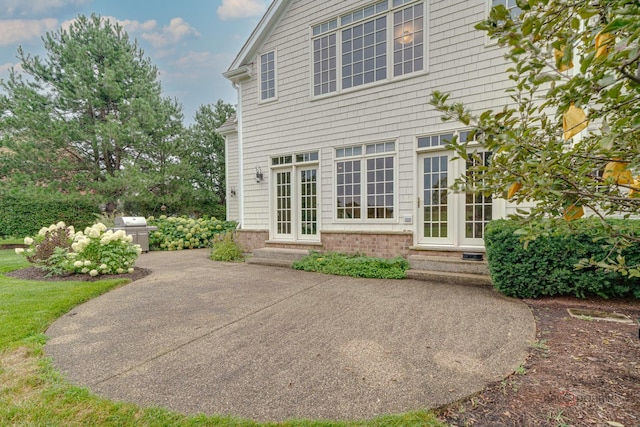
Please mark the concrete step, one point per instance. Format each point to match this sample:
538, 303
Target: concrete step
448, 264
269, 261
279, 257
450, 278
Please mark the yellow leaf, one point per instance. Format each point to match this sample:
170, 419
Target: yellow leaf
574, 121
515, 187
619, 172
573, 212
604, 43
559, 54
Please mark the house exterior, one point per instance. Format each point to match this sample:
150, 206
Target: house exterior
335, 147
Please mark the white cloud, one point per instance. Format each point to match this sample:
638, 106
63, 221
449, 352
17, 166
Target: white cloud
235, 9
10, 8
128, 25
177, 30
15, 31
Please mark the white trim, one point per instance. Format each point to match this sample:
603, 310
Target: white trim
390, 78
363, 182
259, 56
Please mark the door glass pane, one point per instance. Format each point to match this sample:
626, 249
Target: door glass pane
283, 209
435, 177
478, 209
308, 203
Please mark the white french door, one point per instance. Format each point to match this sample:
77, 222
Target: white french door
447, 218
295, 204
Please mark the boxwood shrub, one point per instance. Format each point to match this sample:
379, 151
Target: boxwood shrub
547, 266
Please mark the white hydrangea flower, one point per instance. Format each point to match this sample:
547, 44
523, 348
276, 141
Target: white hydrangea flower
78, 264
28, 241
19, 250
120, 271
87, 262
93, 233
61, 225
93, 273
104, 267
130, 270
43, 231
100, 226
84, 270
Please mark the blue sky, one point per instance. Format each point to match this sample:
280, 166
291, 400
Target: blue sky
190, 41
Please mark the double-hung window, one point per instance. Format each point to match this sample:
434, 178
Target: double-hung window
268, 76
365, 181
375, 43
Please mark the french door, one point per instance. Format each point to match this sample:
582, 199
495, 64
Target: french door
295, 204
447, 218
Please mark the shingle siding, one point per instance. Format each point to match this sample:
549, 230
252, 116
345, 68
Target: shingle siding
458, 61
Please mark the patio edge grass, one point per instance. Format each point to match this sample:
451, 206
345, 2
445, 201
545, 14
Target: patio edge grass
32, 392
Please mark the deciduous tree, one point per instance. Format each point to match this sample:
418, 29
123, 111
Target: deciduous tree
569, 140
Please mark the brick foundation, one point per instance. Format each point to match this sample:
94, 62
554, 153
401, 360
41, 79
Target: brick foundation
382, 245
249, 240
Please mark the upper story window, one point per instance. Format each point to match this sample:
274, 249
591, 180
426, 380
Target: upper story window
511, 6
268, 76
351, 50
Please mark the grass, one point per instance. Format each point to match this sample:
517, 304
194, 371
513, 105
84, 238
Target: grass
11, 241
33, 393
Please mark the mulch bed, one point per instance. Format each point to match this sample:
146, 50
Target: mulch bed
33, 273
583, 372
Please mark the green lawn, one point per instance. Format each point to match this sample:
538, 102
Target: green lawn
32, 393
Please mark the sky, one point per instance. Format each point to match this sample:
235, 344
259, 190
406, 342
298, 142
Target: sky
191, 42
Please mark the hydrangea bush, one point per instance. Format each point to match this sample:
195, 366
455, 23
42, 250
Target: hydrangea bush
95, 251
178, 233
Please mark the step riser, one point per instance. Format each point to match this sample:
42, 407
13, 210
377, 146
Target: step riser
466, 280
450, 266
279, 254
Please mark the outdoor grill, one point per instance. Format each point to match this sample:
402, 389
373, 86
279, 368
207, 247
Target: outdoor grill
136, 227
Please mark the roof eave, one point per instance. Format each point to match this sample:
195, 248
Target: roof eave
259, 34
239, 74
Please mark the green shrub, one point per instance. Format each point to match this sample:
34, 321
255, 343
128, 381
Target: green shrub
23, 213
177, 233
58, 249
225, 248
48, 248
547, 266
354, 265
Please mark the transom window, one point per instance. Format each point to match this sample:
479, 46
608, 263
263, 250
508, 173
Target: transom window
352, 51
365, 178
268, 76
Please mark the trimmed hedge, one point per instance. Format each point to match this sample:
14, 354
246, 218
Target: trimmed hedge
547, 266
26, 213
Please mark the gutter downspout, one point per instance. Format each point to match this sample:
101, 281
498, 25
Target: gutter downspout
236, 86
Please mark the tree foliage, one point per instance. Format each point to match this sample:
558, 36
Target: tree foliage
206, 148
88, 115
567, 57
